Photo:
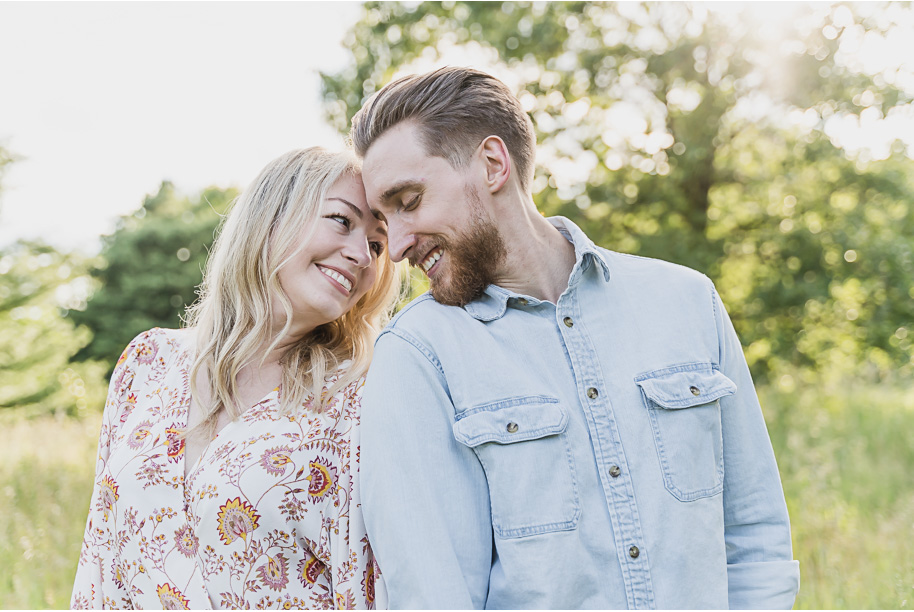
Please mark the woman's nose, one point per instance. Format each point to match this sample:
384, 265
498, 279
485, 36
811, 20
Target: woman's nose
358, 251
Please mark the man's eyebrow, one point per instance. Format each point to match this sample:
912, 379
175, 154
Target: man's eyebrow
390, 192
355, 209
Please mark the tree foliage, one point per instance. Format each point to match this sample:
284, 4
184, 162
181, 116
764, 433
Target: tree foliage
38, 286
670, 131
150, 267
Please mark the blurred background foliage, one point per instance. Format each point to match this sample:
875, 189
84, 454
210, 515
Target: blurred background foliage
149, 268
705, 139
754, 145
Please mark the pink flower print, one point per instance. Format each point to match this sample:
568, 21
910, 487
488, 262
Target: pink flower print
146, 352
275, 460
275, 572
137, 437
187, 543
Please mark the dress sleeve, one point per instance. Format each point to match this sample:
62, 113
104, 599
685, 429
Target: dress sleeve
355, 577
761, 571
96, 585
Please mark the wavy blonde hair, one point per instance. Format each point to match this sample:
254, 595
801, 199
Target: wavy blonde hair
234, 317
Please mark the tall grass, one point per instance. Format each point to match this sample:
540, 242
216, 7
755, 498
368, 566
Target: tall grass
846, 461
46, 472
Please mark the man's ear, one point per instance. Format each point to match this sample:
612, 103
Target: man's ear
497, 162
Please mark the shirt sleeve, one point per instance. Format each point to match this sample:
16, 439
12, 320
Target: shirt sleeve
90, 589
761, 571
424, 495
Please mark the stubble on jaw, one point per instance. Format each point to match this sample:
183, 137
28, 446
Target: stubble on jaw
472, 259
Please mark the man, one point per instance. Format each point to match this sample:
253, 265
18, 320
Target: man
556, 425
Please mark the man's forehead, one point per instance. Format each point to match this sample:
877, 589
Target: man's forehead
388, 175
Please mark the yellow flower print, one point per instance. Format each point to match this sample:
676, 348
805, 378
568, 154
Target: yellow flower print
175, 443
236, 519
171, 598
309, 569
107, 495
322, 479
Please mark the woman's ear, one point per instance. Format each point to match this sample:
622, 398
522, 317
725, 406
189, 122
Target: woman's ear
497, 162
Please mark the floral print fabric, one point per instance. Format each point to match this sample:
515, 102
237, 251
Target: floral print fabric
269, 516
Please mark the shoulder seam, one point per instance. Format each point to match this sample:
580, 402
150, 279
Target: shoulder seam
396, 319
412, 340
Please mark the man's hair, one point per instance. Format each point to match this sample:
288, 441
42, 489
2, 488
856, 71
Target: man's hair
454, 109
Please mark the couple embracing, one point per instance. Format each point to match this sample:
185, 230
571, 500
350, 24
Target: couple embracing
554, 425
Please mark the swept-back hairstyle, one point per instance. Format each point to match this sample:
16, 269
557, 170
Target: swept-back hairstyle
454, 109
234, 318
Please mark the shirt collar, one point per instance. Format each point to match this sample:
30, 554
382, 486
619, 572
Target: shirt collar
493, 302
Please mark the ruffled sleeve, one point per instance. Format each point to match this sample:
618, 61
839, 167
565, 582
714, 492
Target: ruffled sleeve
92, 588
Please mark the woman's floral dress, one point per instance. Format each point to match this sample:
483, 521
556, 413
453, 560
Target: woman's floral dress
269, 516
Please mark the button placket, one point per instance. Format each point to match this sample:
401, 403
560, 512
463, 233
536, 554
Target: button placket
618, 490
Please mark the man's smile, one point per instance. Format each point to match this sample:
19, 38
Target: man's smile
431, 259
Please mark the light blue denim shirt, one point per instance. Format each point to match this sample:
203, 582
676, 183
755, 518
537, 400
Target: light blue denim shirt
607, 451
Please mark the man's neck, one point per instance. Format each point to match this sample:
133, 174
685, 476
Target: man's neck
539, 258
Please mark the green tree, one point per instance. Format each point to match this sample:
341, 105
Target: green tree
670, 131
150, 268
38, 287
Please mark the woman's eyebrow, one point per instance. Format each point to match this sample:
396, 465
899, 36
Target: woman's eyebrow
355, 209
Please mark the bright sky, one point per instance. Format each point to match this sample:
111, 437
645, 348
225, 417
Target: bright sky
102, 101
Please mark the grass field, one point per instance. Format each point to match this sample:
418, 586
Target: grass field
846, 460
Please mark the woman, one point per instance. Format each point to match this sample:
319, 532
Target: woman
227, 465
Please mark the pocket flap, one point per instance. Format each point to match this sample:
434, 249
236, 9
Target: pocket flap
685, 386
513, 423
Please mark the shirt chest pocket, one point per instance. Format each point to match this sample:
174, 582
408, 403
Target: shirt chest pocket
522, 446
683, 403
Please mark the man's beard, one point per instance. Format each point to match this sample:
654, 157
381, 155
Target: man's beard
472, 259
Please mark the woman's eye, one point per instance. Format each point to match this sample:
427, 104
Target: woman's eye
376, 247
341, 219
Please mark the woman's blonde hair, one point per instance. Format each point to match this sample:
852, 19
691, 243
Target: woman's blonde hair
234, 316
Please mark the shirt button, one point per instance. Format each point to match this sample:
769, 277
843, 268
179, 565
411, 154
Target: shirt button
633, 552
592, 393
522, 301
614, 471
695, 390
512, 427
568, 322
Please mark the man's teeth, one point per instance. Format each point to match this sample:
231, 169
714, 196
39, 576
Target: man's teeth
337, 277
428, 263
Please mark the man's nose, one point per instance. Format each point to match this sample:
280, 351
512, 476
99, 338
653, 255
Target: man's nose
399, 241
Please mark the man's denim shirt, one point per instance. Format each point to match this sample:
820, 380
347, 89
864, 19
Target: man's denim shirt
607, 451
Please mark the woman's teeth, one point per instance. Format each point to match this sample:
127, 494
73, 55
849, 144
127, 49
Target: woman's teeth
337, 277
